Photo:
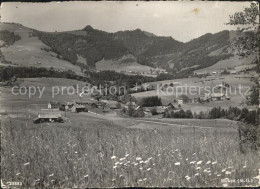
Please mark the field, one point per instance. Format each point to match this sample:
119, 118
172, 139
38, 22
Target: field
239, 84
28, 51
93, 150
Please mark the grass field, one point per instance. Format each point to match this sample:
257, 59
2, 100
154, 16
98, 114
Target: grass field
98, 153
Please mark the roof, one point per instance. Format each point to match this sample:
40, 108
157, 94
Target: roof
49, 115
217, 95
79, 106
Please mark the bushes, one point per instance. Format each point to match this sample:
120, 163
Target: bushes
151, 101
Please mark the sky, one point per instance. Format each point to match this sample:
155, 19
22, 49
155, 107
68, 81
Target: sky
182, 20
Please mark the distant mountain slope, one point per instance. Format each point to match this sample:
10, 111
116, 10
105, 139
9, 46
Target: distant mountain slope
24, 49
87, 47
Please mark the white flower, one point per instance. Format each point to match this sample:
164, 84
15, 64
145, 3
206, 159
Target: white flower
154, 164
244, 166
122, 159
116, 163
208, 162
126, 155
177, 163
113, 157
86, 154
138, 158
85, 176
213, 163
176, 150
51, 175
115, 167
225, 185
26, 163
135, 164
141, 168
228, 173
192, 162
148, 169
197, 174
199, 162
198, 167
18, 174
120, 176
187, 177
187, 159
159, 155
141, 161
218, 175
223, 170
140, 180
144, 179
76, 152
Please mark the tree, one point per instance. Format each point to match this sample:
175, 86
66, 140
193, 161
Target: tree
247, 40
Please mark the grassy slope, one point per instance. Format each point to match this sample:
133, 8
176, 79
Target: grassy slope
27, 51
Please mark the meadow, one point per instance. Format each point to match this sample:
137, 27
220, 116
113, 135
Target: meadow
97, 153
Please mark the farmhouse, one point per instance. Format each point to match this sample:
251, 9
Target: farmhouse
48, 117
79, 108
218, 96
53, 105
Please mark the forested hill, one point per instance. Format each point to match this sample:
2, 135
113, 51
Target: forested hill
88, 46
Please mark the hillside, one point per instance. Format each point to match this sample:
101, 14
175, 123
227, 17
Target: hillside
89, 48
19, 47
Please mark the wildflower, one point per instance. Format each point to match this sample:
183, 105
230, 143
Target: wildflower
51, 175
218, 175
197, 174
141, 161
85, 176
120, 176
18, 174
199, 162
37, 180
138, 158
213, 163
187, 159
76, 152
126, 155
128, 162
146, 161
115, 167
176, 150
122, 159
148, 169
141, 168
225, 185
177, 163
228, 173
140, 180
86, 154
154, 164
208, 162
113, 157
198, 167
52, 180
192, 162
244, 166
26, 163
187, 177
159, 155
144, 179
223, 170
117, 163
135, 164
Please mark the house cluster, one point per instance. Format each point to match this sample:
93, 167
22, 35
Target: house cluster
83, 106
48, 117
